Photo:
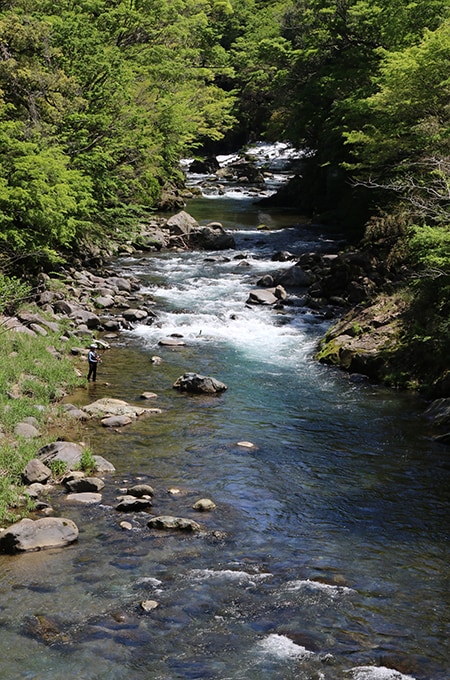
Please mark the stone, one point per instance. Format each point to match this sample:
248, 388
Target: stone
75, 412
26, 431
131, 314
199, 384
133, 504
104, 301
36, 471
140, 490
168, 522
171, 342
182, 223
106, 407
28, 534
204, 505
116, 421
67, 452
211, 237
102, 465
156, 361
148, 605
126, 526
261, 296
85, 484
149, 395
85, 497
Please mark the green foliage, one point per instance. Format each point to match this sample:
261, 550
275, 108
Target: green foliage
13, 292
58, 467
87, 462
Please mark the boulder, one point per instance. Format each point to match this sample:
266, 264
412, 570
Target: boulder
67, 452
84, 497
48, 532
133, 504
181, 224
171, 342
26, 430
199, 384
140, 490
211, 237
117, 421
131, 314
36, 471
204, 505
204, 166
295, 277
102, 465
261, 296
121, 283
170, 523
83, 316
104, 408
84, 484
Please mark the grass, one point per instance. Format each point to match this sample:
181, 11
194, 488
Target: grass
33, 379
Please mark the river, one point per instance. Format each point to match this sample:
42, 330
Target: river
327, 554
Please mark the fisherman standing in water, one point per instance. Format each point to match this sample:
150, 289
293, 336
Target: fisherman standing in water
93, 360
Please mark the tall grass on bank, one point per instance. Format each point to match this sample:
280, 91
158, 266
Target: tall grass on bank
32, 381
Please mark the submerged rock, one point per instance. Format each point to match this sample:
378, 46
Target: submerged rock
173, 523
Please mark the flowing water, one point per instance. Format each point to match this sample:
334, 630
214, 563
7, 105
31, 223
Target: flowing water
328, 548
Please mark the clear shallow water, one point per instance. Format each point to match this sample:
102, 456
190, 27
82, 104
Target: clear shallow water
328, 549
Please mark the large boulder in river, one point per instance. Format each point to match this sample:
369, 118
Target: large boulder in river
211, 237
181, 224
48, 532
199, 384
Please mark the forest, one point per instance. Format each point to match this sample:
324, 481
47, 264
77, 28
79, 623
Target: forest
100, 99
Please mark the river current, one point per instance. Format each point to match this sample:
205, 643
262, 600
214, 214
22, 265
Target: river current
327, 554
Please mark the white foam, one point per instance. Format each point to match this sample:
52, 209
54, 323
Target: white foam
282, 647
228, 575
317, 586
377, 673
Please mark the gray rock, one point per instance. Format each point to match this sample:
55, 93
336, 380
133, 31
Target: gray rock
83, 316
26, 431
199, 384
204, 505
48, 532
182, 223
168, 522
134, 314
102, 465
103, 408
84, 497
171, 342
104, 301
148, 395
67, 452
84, 484
140, 490
211, 237
262, 296
133, 504
117, 421
295, 277
36, 471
